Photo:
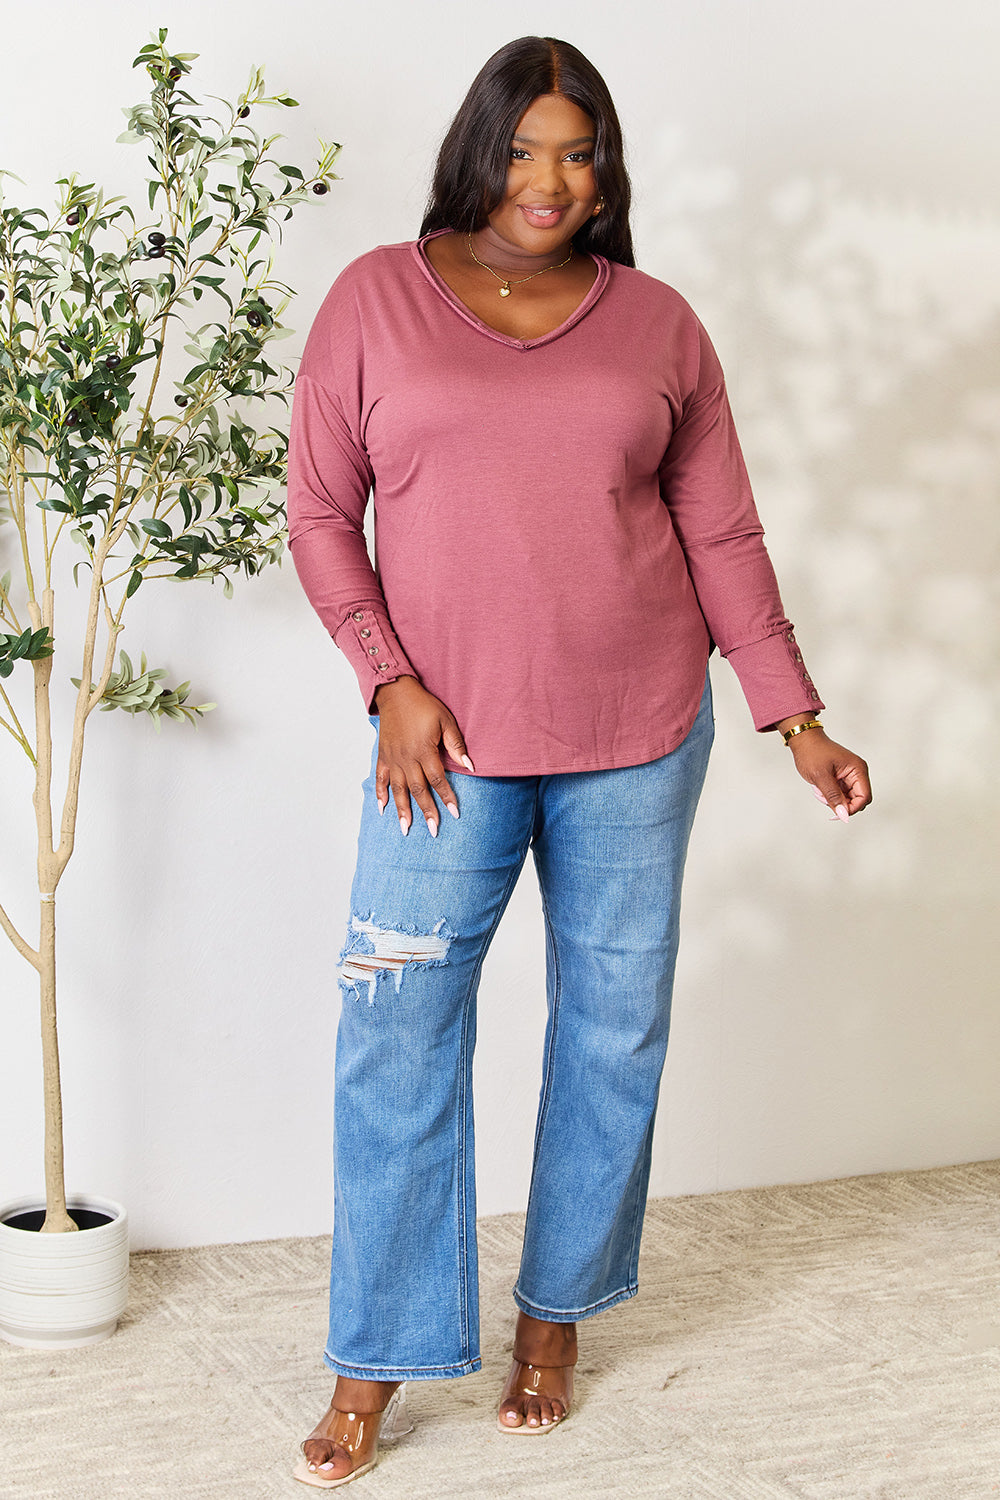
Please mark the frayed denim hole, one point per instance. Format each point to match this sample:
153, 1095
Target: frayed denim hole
372, 951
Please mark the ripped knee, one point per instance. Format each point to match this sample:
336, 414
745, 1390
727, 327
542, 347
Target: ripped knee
372, 950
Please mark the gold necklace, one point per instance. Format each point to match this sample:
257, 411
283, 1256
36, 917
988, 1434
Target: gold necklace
505, 282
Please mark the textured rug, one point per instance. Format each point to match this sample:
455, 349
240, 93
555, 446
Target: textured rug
834, 1341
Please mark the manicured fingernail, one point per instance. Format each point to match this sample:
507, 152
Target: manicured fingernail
842, 812
818, 794
467, 762
404, 825
452, 809
432, 828
382, 806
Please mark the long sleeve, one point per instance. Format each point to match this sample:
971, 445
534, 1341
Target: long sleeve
704, 484
563, 524
329, 481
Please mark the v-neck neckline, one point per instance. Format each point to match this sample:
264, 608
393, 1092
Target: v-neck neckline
444, 290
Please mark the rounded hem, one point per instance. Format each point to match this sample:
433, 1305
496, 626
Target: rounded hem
549, 1315
416, 1372
618, 763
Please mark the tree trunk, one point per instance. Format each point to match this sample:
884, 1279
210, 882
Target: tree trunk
57, 1220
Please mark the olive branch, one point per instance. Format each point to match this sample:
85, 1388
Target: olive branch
149, 469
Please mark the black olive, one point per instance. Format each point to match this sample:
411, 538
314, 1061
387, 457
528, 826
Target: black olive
319, 188
73, 218
113, 361
244, 112
64, 346
254, 319
71, 419
156, 252
174, 73
156, 238
181, 400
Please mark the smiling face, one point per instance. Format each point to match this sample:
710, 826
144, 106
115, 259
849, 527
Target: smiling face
551, 191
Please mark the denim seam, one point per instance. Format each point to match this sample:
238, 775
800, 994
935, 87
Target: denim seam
463, 1068
639, 1207
543, 1107
572, 1314
401, 1372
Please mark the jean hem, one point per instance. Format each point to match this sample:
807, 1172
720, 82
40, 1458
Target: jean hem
414, 1372
572, 1315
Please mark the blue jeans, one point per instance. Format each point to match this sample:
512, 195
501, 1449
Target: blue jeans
609, 850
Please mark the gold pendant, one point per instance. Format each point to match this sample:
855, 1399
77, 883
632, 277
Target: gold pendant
505, 290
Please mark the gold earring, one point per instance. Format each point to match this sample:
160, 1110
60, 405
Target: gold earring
600, 205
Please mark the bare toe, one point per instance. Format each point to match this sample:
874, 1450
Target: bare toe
510, 1414
326, 1458
529, 1400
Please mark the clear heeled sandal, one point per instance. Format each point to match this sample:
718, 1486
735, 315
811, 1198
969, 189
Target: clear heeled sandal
552, 1382
359, 1434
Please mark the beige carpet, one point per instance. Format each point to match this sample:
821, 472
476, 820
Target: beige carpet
836, 1341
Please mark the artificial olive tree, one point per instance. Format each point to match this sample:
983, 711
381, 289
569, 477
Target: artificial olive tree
149, 464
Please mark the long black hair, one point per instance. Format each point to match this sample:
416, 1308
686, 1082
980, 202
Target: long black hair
470, 179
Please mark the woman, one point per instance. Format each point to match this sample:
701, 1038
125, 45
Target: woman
563, 528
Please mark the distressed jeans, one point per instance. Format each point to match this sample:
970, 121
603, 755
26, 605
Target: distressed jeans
609, 850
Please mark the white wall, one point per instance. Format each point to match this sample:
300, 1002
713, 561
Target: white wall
820, 181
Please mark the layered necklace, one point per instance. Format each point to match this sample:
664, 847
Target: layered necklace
505, 281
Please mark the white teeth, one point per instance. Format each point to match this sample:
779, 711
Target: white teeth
542, 212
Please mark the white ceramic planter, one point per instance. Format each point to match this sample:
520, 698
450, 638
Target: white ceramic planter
62, 1291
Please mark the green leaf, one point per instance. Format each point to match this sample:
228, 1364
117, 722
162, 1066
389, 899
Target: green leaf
152, 526
133, 583
30, 645
239, 446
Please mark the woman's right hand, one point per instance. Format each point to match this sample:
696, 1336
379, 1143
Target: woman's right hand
413, 727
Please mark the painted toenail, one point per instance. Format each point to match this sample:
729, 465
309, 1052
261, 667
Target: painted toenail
326, 1466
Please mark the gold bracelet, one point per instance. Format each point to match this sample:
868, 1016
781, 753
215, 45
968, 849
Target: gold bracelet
789, 734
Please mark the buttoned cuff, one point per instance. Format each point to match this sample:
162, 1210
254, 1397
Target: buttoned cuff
370, 645
774, 679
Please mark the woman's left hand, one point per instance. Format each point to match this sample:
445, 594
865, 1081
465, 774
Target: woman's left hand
839, 776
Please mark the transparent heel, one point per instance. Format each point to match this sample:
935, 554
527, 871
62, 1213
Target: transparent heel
396, 1418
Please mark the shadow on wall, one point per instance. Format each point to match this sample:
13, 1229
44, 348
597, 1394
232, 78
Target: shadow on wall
862, 345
